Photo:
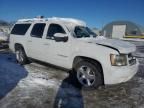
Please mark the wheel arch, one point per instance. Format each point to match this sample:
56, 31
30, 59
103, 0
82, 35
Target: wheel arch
17, 45
91, 60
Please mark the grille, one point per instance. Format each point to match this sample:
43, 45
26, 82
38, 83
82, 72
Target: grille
131, 59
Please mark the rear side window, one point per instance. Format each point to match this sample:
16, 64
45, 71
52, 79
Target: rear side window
20, 29
38, 30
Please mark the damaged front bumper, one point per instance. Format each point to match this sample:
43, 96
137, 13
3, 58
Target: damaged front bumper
120, 74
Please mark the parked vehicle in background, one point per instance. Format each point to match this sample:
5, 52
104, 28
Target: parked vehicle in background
3, 39
69, 43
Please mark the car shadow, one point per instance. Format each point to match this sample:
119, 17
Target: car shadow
10, 73
69, 93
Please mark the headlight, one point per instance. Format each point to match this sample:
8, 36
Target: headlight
118, 60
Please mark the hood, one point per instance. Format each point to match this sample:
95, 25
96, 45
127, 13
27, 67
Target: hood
118, 45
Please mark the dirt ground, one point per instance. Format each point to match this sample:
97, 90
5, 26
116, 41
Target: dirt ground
40, 86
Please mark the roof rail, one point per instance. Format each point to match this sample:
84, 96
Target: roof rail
33, 19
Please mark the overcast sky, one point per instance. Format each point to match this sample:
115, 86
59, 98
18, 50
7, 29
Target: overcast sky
96, 13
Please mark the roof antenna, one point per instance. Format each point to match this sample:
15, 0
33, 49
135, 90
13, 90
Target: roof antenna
39, 16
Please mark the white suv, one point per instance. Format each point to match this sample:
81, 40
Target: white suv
70, 44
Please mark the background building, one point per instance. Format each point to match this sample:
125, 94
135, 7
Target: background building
123, 29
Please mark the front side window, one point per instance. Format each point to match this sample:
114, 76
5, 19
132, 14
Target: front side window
20, 29
82, 32
54, 28
38, 30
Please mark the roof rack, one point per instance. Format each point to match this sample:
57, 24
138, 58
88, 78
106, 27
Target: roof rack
53, 19
33, 19
38, 18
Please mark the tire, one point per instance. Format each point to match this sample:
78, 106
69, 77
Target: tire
89, 74
21, 56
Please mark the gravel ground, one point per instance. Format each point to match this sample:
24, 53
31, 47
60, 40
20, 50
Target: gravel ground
41, 86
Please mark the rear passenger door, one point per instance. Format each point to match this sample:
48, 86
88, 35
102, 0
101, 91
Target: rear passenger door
34, 42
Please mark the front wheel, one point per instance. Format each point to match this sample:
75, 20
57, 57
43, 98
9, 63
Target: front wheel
89, 74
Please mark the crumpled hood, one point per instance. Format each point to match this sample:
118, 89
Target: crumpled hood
119, 45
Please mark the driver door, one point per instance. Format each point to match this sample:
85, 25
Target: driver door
57, 53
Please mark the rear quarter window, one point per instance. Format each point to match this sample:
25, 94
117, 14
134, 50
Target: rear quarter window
20, 29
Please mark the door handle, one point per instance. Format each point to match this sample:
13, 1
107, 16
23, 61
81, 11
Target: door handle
29, 40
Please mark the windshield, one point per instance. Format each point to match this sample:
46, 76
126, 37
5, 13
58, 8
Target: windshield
83, 32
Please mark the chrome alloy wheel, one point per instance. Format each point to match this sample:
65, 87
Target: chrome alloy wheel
19, 56
86, 76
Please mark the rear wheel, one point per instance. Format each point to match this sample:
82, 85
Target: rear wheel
21, 56
89, 74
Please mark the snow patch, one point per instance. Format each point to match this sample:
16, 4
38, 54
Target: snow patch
69, 20
50, 83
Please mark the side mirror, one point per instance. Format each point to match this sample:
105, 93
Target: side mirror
60, 37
